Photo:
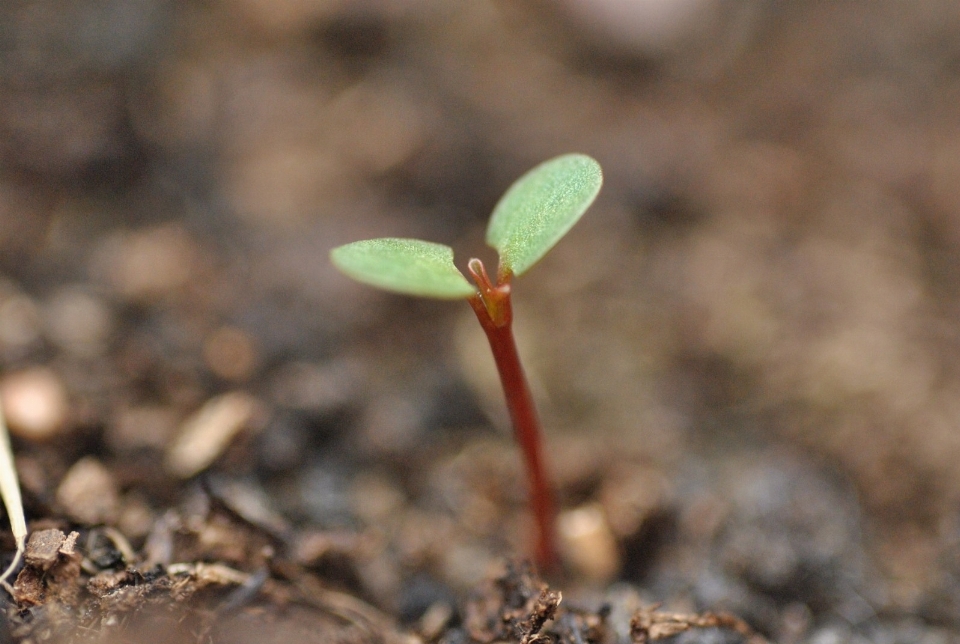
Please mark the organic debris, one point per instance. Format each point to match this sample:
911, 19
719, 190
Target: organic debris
51, 571
514, 607
747, 356
651, 625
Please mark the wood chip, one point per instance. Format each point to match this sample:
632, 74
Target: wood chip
206, 434
52, 567
43, 548
69, 546
28, 590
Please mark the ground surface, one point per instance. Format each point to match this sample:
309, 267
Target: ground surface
746, 353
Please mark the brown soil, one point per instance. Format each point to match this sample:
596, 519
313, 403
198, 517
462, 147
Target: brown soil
744, 354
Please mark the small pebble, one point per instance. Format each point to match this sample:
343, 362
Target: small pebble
375, 126
392, 424
148, 264
146, 426
19, 323
281, 17
35, 403
88, 493
136, 517
78, 322
33, 475
631, 495
588, 544
435, 620
230, 353
649, 27
208, 432
310, 547
374, 498
158, 547
467, 565
247, 500
317, 388
278, 184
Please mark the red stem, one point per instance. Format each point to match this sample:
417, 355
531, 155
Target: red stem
493, 308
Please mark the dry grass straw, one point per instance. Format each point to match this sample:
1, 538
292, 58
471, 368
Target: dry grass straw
10, 492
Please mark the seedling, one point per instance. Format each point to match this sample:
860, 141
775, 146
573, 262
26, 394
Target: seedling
533, 215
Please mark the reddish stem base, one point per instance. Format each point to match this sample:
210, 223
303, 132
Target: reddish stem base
493, 309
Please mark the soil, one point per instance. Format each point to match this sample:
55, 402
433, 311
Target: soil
745, 355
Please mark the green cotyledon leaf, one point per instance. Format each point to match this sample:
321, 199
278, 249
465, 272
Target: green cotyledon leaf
540, 208
409, 266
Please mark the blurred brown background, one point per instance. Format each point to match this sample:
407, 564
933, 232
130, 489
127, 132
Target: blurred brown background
773, 260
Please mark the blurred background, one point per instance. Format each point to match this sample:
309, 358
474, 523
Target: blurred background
767, 289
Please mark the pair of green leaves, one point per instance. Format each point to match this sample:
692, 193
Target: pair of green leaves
534, 214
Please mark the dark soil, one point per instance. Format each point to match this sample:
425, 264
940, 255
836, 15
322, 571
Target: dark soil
746, 354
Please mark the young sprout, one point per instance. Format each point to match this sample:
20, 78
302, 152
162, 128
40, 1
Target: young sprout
537, 210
